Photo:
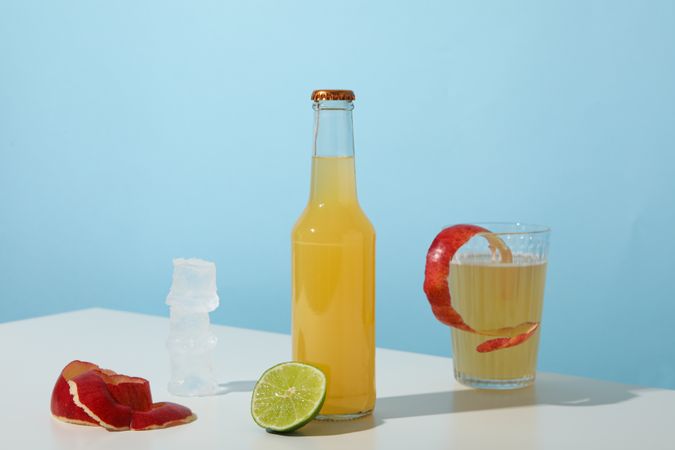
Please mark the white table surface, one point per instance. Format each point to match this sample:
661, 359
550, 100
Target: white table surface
419, 405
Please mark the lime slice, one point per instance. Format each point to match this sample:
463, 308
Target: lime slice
288, 396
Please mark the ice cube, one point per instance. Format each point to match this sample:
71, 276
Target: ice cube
194, 285
191, 342
191, 366
189, 324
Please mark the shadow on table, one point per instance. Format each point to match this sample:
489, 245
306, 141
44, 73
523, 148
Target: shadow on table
236, 386
548, 390
329, 428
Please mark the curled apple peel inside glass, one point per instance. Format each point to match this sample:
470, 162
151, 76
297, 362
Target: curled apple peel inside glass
85, 394
437, 273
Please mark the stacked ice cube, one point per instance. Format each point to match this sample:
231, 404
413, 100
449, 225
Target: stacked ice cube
191, 342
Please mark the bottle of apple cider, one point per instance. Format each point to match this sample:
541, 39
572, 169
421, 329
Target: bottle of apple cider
333, 268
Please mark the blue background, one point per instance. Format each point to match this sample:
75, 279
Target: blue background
134, 132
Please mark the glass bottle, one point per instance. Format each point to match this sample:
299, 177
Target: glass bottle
333, 268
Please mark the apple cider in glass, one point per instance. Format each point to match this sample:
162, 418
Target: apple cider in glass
496, 285
492, 295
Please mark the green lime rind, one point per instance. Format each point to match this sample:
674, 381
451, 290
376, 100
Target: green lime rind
288, 396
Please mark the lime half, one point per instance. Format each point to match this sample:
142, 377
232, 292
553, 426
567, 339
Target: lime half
287, 396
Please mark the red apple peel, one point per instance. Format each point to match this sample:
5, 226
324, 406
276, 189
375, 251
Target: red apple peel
62, 405
161, 415
506, 342
437, 270
86, 394
436, 275
133, 392
90, 393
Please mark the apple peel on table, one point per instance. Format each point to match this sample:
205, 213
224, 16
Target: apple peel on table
437, 273
85, 394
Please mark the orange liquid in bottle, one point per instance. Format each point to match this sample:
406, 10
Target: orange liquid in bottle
333, 288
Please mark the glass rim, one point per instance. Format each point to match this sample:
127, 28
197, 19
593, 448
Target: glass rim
519, 228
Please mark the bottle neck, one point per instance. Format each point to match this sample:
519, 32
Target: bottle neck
333, 128
333, 177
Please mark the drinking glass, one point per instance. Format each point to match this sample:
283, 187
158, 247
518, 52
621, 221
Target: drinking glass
499, 294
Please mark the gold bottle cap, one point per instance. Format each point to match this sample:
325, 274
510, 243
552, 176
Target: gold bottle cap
333, 94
